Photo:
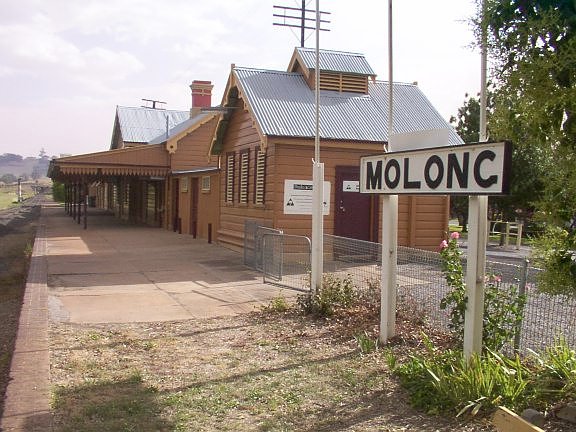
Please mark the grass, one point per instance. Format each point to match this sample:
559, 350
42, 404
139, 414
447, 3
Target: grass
9, 195
265, 371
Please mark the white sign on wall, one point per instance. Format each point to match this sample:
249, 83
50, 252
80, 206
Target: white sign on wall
298, 197
351, 186
471, 169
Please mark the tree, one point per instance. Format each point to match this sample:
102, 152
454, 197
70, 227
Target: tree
467, 124
8, 178
533, 46
520, 202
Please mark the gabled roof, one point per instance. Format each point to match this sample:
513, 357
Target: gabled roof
184, 127
283, 105
332, 61
140, 125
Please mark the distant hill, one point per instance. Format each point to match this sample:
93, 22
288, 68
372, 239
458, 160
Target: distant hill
29, 168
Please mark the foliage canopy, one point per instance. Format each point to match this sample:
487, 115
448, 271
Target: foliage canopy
533, 46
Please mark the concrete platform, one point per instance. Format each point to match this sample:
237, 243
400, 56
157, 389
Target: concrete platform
115, 272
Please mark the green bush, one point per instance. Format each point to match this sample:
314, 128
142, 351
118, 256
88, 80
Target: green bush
445, 381
503, 306
554, 252
58, 193
334, 294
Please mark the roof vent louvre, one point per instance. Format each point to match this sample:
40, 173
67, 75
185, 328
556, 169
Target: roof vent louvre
343, 82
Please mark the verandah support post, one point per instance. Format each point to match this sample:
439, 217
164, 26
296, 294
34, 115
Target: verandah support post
85, 205
79, 203
73, 199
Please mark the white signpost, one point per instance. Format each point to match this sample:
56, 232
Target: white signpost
476, 170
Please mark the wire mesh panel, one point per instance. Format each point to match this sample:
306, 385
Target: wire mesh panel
286, 260
546, 317
250, 251
358, 259
421, 286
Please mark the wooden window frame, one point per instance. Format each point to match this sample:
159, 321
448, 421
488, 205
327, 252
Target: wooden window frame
230, 174
260, 177
244, 177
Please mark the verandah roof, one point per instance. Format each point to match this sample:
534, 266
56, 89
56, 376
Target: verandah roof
152, 160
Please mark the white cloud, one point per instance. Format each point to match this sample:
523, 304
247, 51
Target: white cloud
75, 58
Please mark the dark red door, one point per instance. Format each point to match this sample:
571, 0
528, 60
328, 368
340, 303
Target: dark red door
353, 213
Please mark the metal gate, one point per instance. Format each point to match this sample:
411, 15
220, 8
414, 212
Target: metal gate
286, 260
253, 232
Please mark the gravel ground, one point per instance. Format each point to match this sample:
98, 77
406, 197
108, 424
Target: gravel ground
254, 372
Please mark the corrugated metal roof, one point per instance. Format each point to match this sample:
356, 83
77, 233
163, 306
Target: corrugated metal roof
140, 125
283, 105
179, 128
336, 61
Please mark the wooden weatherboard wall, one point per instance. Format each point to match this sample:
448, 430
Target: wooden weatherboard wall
242, 138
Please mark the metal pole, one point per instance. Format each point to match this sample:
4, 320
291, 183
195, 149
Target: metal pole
389, 221
303, 23
317, 177
477, 235
521, 292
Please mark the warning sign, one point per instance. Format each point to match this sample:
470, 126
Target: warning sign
298, 197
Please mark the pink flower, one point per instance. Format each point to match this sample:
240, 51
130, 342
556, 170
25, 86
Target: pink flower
443, 245
455, 235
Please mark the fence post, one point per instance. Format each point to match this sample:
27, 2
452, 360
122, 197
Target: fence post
519, 235
521, 292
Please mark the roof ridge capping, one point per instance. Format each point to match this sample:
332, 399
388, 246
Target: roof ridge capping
332, 51
331, 61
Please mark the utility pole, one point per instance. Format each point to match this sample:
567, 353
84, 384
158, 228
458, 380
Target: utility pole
300, 18
389, 219
478, 222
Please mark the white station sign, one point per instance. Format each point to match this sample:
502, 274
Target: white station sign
298, 197
471, 169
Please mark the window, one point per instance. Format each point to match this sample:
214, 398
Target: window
230, 178
244, 170
205, 183
260, 177
184, 184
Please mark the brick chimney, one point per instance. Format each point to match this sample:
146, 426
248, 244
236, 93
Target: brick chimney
201, 96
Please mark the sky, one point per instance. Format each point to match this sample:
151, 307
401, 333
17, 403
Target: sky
66, 64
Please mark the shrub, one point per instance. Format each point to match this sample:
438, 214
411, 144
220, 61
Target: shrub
58, 193
554, 252
335, 293
445, 381
278, 304
503, 306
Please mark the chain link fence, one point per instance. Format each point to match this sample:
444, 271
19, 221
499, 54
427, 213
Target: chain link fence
420, 282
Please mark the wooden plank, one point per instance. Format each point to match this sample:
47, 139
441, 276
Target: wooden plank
507, 421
